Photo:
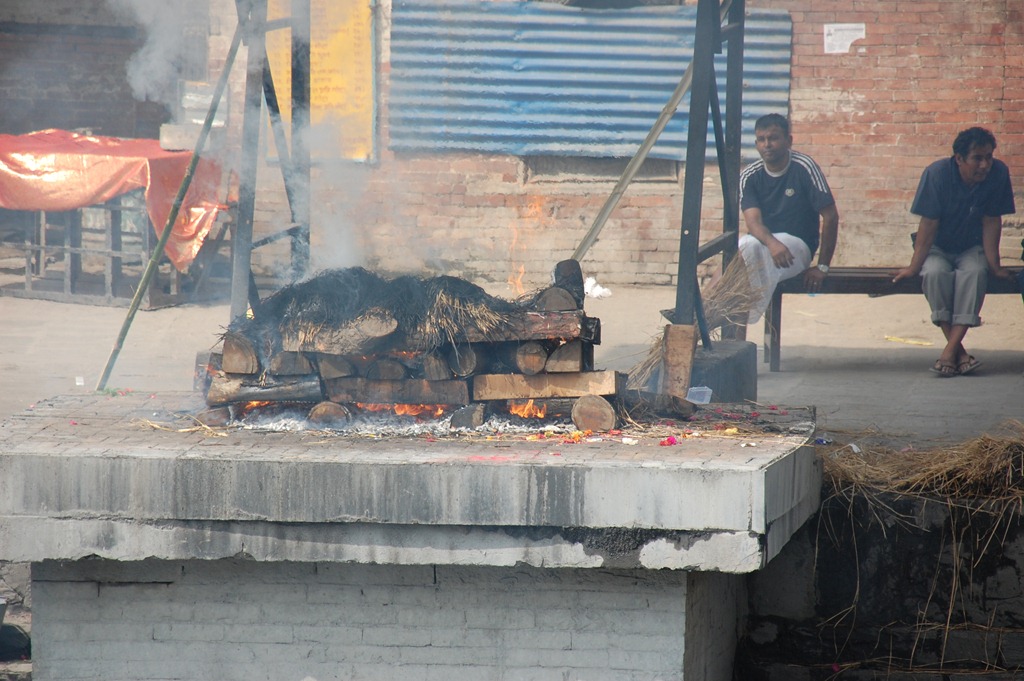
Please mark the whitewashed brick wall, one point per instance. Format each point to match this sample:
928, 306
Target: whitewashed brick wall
224, 620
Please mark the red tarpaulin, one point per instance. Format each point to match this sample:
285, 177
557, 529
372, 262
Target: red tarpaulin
57, 170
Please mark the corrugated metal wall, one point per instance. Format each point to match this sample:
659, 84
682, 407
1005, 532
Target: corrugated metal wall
536, 78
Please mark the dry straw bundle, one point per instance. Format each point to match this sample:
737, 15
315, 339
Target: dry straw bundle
429, 311
730, 299
981, 483
726, 301
450, 315
987, 469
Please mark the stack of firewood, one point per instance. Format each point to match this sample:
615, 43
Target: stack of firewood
349, 339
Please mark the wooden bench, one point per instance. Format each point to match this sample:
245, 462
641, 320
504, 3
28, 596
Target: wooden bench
874, 281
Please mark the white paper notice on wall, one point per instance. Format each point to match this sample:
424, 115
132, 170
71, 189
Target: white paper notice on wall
839, 37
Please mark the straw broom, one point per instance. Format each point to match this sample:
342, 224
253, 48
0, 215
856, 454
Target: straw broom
726, 301
730, 299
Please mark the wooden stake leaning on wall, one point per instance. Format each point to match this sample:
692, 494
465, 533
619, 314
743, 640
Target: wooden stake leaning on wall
172, 217
634, 164
679, 344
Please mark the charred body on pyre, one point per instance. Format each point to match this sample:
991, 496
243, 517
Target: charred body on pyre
350, 339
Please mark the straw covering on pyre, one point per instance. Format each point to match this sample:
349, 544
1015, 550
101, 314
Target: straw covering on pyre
426, 313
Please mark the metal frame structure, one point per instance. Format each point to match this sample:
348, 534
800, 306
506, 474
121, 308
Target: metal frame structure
711, 35
295, 162
705, 106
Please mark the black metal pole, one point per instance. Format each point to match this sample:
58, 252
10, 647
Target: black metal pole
733, 142
284, 157
733, 123
242, 294
301, 30
705, 43
729, 208
172, 216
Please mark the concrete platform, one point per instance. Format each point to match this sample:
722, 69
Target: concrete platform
129, 478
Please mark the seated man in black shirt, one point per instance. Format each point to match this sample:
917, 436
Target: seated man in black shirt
784, 198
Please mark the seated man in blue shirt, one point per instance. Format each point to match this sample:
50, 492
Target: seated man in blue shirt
961, 201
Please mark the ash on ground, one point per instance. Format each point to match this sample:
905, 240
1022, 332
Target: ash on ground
378, 424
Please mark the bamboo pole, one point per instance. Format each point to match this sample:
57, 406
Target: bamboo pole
172, 217
640, 156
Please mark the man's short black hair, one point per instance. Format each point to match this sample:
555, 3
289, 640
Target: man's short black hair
772, 120
972, 137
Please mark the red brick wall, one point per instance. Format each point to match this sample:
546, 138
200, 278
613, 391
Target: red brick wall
873, 118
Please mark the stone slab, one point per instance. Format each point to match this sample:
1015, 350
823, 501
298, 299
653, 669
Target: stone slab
131, 476
729, 369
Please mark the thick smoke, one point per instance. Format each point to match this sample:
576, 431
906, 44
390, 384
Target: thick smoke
154, 71
337, 186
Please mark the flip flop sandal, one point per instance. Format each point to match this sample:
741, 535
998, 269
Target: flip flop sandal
944, 369
968, 365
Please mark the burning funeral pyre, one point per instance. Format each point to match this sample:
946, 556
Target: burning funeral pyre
351, 341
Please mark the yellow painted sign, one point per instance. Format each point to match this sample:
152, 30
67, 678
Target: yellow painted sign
341, 75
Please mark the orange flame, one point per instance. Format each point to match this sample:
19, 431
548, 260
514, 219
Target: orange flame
434, 410
248, 407
534, 216
528, 410
515, 282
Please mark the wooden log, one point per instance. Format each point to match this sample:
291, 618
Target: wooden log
595, 413
679, 344
569, 275
467, 359
334, 366
348, 339
566, 358
662, 405
386, 370
215, 417
435, 367
288, 363
588, 356
329, 413
408, 391
555, 299
239, 355
530, 357
469, 417
232, 389
519, 387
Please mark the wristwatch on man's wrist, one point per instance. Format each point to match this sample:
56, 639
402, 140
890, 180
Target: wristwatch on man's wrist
823, 268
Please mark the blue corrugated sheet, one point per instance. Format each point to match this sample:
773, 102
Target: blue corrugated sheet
537, 78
